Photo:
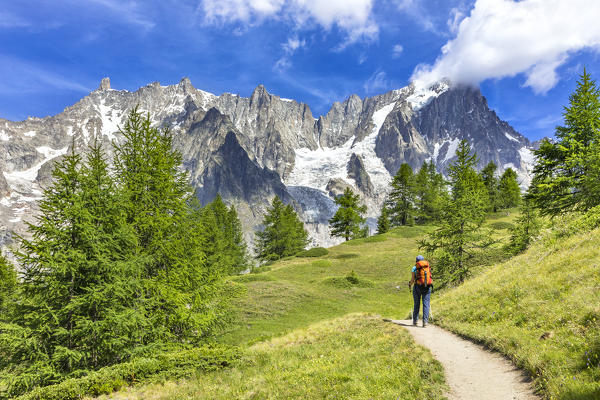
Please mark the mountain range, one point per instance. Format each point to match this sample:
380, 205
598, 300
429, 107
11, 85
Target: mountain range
250, 149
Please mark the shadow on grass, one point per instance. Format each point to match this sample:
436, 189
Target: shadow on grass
346, 256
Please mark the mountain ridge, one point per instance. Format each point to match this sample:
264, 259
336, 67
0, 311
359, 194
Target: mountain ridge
359, 142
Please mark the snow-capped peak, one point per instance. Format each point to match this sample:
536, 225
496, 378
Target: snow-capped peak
422, 94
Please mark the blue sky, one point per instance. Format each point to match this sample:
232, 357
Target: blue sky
523, 55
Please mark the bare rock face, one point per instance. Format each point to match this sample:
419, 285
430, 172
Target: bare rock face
4, 188
251, 149
336, 187
463, 113
399, 140
357, 171
104, 84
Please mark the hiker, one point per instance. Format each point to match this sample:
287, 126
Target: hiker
423, 285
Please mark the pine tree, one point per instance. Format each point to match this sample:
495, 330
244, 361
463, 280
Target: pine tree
460, 234
284, 234
348, 219
430, 193
509, 192
77, 290
526, 227
180, 288
225, 247
566, 172
422, 193
8, 282
401, 198
488, 175
438, 194
383, 222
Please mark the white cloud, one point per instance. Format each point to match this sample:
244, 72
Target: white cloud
415, 10
378, 82
129, 11
503, 38
289, 48
351, 16
397, 51
293, 44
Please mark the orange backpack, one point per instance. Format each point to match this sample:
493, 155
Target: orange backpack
423, 273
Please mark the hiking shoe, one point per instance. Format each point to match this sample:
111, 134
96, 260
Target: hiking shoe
414, 323
424, 324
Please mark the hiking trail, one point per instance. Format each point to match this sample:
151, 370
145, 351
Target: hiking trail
472, 373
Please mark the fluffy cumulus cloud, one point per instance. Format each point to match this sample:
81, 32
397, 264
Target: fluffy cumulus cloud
352, 16
504, 38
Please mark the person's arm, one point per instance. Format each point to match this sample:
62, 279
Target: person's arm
412, 280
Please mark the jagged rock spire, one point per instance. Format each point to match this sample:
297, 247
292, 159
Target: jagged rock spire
104, 84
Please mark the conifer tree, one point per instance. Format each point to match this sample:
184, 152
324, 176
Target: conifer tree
401, 198
565, 174
8, 282
430, 193
179, 285
509, 192
527, 227
78, 286
383, 222
348, 219
488, 175
460, 234
284, 234
225, 247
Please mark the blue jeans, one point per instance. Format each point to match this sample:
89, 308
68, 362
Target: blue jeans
421, 292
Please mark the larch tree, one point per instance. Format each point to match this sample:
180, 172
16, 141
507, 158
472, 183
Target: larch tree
348, 220
567, 170
283, 234
460, 234
402, 197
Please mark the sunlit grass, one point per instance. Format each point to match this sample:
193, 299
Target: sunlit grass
542, 309
353, 357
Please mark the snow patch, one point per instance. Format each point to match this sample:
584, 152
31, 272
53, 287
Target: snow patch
4, 136
14, 220
286, 100
28, 176
109, 125
509, 165
436, 151
70, 131
29, 133
422, 95
527, 157
509, 137
314, 168
451, 152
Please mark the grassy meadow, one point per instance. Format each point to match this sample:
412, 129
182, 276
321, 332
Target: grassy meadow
541, 309
313, 333
312, 327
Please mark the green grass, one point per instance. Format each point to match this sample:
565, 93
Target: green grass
314, 252
541, 309
298, 292
312, 329
357, 356
310, 332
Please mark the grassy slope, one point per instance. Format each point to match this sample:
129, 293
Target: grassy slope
300, 291
356, 356
307, 340
542, 309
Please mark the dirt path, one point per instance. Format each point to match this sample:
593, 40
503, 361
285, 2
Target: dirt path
472, 372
